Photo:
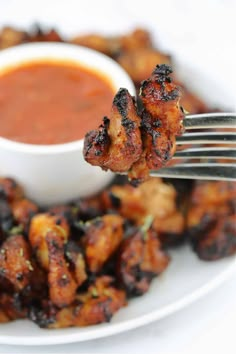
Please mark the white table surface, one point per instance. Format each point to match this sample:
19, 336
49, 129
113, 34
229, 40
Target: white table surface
202, 32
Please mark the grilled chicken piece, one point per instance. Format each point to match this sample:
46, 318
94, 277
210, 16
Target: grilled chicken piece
16, 262
162, 119
96, 306
219, 241
140, 259
48, 235
102, 238
23, 210
40, 225
117, 144
211, 219
134, 143
10, 190
74, 255
10, 309
62, 286
153, 197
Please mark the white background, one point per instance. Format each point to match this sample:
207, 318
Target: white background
203, 33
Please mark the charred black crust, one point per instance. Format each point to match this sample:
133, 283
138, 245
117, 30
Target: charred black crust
6, 217
133, 288
222, 245
98, 222
162, 72
102, 137
149, 126
105, 309
115, 201
3, 194
166, 155
19, 276
17, 302
53, 245
40, 316
58, 221
170, 96
171, 239
97, 139
64, 281
128, 124
216, 250
63, 213
71, 247
161, 76
135, 182
121, 101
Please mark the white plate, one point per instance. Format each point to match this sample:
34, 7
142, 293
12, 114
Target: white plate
186, 279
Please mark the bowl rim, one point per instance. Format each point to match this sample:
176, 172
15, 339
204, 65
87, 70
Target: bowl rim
54, 51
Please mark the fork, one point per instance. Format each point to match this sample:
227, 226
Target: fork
205, 169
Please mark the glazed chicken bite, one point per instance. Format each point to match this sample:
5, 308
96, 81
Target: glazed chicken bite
62, 286
102, 238
162, 121
15, 261
48, 235
153, 197
75, 256
137, 142
40, 225
23, 210
95, 306
10, 190
117, 144
10, 309
140, 259
211, 219
218, 241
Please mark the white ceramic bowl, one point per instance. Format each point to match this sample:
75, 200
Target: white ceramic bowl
56, 173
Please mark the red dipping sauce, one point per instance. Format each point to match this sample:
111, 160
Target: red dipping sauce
52, 102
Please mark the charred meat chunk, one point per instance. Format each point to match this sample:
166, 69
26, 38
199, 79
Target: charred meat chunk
140, 259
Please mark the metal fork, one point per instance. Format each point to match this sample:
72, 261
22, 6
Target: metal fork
207, 168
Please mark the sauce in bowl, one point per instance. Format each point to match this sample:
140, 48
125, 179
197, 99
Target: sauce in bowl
49, 102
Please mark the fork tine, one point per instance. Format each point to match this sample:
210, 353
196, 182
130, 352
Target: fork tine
209, 153
207, 138
210, 120
206, 171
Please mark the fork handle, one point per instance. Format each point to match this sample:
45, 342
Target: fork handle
208, 171
210, 120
